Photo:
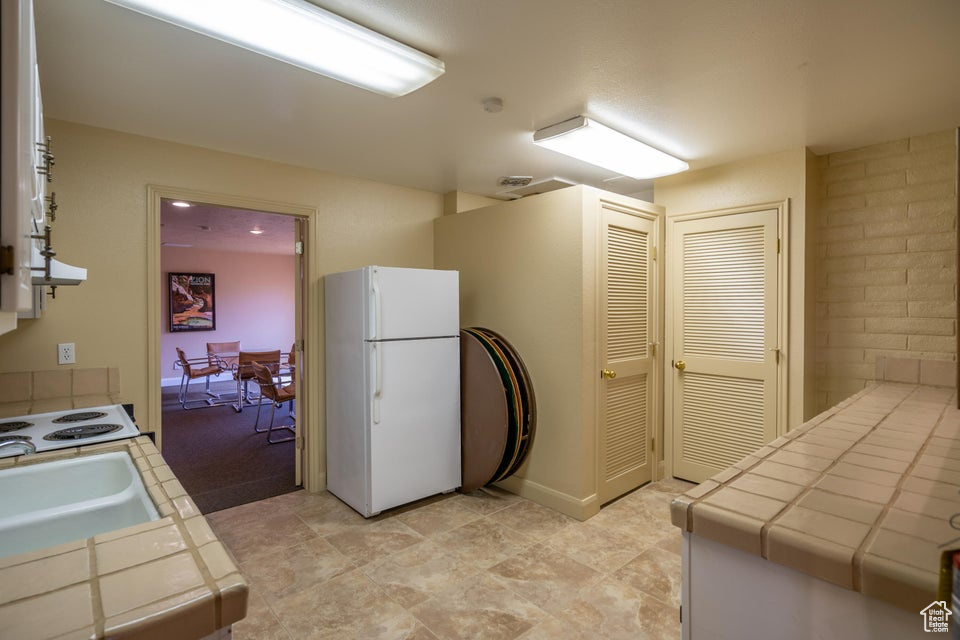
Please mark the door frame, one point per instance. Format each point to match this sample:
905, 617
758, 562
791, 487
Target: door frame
669, 299
309, 404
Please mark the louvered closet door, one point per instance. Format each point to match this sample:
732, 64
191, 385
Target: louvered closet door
627, 299
725, 340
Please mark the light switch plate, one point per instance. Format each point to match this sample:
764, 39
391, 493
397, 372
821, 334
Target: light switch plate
66, 354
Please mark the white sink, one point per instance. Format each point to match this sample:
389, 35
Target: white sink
50, 503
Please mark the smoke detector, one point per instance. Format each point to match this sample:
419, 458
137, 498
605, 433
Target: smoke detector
533, 188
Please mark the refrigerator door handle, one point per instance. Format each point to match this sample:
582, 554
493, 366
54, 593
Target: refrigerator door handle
377, 305
378, 382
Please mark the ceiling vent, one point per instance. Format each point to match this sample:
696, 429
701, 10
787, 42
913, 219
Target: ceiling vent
533, 188
514, 181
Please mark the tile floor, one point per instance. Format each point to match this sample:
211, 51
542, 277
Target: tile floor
488, 565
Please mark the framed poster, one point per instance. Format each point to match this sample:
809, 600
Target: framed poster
192, 304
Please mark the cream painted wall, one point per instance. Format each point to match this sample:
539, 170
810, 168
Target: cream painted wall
521, 275
767, 179
255, 302
101, 183
528, 270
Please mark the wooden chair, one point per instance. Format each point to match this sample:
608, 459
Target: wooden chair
243, 372
192, 369
273, 388
225, 362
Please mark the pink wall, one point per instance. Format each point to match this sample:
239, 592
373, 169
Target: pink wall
255, 302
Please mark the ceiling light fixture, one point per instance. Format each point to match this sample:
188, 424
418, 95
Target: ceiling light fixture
590, 141
304, 35
178, 203
256, 230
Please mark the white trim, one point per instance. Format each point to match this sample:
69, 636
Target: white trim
310, 414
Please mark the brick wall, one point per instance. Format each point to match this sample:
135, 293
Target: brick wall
886, 276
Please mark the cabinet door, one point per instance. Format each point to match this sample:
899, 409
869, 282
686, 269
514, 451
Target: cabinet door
627, 299
22, 127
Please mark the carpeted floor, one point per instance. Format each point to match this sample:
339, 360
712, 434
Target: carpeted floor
218, 457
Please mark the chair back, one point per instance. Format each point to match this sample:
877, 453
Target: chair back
183, 360
264, 378
214, 348
245, 360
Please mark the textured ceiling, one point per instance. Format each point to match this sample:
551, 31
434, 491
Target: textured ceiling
707, 80
208, 228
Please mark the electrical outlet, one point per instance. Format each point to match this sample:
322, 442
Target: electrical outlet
66, 354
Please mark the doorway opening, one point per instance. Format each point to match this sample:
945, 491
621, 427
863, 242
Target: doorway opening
248, 266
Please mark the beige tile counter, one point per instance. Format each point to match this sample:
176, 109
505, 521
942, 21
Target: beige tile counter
860, 496
171, 578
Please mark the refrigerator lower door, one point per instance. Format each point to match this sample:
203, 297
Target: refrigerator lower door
414, 395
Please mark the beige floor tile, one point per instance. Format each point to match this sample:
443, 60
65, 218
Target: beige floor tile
482, 543
291, 569
377, 540
419, 572
348, 604
330, 516
655, 572
487, 500
642, 519
616, 611
555, 629
673, 486
532, 520
258, 531
456, 566
484, 609
672, 542
260, 622
440, 516
545, 577
602, 548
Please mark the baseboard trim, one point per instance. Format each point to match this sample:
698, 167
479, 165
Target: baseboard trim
579, 508
175, 382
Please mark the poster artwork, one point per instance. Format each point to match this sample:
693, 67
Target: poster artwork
192, 302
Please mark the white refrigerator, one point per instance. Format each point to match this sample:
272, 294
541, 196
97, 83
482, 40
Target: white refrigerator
393, 385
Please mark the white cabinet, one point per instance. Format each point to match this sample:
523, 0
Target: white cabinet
28, 267
23, 188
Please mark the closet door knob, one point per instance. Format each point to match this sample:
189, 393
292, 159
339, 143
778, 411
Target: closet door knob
607, 373
680, 364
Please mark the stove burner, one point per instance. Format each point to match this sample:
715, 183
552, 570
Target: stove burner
10, 438
83, 431
78, 417
6, 427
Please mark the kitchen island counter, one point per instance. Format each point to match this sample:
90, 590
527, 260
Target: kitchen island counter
168, 578
860, 497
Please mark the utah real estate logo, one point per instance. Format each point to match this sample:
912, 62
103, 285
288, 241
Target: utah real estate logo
935, 617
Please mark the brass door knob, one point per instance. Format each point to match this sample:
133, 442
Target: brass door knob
607, 373
680, 364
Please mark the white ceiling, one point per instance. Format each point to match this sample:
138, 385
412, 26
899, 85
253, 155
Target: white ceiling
707, 80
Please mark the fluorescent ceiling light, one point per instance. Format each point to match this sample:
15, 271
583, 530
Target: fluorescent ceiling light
306, 36
590, 141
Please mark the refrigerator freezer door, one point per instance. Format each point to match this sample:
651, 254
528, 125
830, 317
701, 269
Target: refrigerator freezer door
411, 303
415, 444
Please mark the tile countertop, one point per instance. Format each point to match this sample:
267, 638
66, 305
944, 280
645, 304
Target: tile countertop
861, 495
170, 578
